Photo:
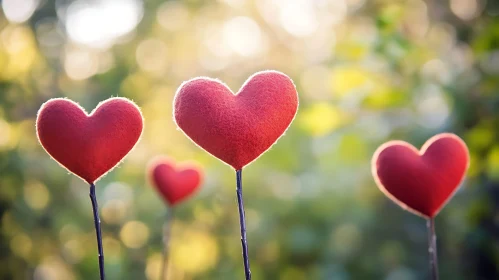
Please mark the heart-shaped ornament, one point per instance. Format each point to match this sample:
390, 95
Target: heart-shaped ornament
89, 145
236, 128
421, 181
174, 183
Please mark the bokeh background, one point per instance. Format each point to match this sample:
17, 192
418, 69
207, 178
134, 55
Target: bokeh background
366, 72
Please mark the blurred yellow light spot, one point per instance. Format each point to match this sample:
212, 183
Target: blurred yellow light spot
270, 252
194, 251
345, 79
36, 195
53, 268
134, 234
210, 60
153, 267
475, 165
21, 245
416, 11
113, 247
173, 15
390, 16
136, 84
352, 149
204, 215
315, 82
437, 70
81, 64
9, 225
20, 45
26, 144
383, 98
321, 119
74, 250
493, 163
17, 39
466, 9
8, 191
5, 134
151, 56
441, 36
480, 137
351, 50
114, 211
68, 232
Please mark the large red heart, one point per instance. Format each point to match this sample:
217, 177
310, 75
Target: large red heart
89, 145
421, 181
238, 128
174, 184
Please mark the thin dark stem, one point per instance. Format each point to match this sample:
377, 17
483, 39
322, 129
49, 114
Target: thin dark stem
166, 238
95, 208
242, 222
432, 248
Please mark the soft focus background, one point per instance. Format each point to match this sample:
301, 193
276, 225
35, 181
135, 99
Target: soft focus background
366, 72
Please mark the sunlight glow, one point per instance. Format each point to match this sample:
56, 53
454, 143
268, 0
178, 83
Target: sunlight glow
298, 17
151, 56
173, 15
243, 36
80, 64
100, 23
302, 18
19, 10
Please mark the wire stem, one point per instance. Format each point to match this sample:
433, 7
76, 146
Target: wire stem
242, 222
95, 208
166, 238
432, 248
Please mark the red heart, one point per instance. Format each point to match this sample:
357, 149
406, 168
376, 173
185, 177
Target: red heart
421, 181
174, 184
89, 145
238, 128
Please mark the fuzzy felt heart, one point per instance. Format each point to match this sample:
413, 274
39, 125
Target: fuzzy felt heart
174, 184
421, 181
236, 128
89, 145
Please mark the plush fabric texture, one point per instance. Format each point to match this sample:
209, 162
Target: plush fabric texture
421, 181
89, 145
238, 128
175, 183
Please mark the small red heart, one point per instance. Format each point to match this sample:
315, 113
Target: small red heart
421, 181
89, 145
238, 128
175, 184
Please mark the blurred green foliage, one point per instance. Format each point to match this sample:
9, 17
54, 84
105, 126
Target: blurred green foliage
366, 72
